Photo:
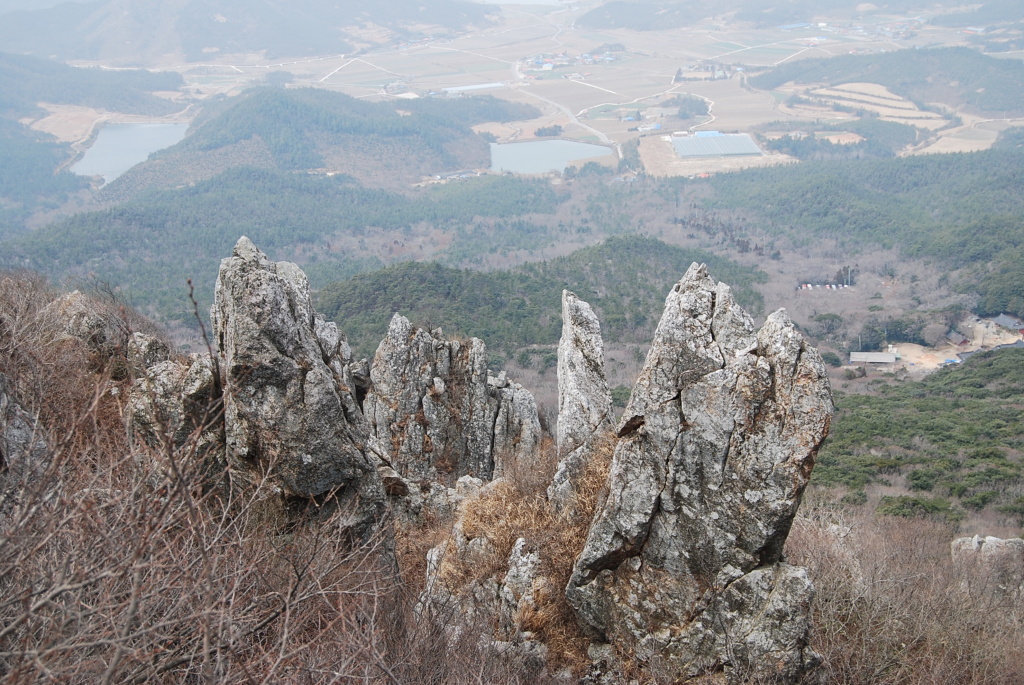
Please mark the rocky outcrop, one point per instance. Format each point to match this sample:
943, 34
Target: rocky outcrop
173, 404
290, 412
438, 414
24, 455
682, 565
82, 318
584, 401
993, 564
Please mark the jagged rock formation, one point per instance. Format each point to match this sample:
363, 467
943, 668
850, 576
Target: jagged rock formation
584, 401
289, 405
682, 565
439, 415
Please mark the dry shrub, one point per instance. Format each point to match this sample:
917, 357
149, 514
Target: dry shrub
514, 508
892, 607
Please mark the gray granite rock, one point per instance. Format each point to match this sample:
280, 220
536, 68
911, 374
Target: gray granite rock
584, 401
289, 410
682, 564
437, 413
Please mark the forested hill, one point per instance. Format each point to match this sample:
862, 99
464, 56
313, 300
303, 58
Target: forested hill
383, 143
151, 245
954, 439
953, 76
963, 211
27, 81
28, 173
139, 31
625, 278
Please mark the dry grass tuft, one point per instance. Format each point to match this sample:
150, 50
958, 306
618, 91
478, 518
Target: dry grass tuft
514, 508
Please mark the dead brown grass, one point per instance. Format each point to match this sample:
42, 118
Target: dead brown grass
892, 607
514, 508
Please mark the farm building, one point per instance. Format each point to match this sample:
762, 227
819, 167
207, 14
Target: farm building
1009, 322
872, 357
715, 144
957, 338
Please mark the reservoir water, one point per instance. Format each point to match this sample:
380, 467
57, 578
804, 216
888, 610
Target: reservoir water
119, 147
542, 156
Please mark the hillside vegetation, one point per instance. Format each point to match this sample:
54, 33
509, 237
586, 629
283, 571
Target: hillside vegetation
963, 211
26, 81
150, 246
953, 76
27, 178
624, 278
953, 438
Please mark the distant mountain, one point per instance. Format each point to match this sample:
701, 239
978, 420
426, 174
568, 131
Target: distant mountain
657, 15
26, 81
139, 32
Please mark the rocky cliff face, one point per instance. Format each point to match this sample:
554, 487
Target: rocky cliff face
682, 563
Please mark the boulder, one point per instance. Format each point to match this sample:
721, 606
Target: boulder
991, 564
290, 412
584, 401
437, 413
682, 564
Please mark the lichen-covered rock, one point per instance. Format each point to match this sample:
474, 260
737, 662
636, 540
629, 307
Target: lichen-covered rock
682, 562
288, 410
82, 318
584, 401
144, 351
438, 415
24, 455
175, 405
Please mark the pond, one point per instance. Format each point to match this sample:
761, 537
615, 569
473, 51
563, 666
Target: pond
542, 156
119, 147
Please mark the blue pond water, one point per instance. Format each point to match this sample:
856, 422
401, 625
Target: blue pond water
541, 156
119, 147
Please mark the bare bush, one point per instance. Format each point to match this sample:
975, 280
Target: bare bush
892, 607
111, 573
